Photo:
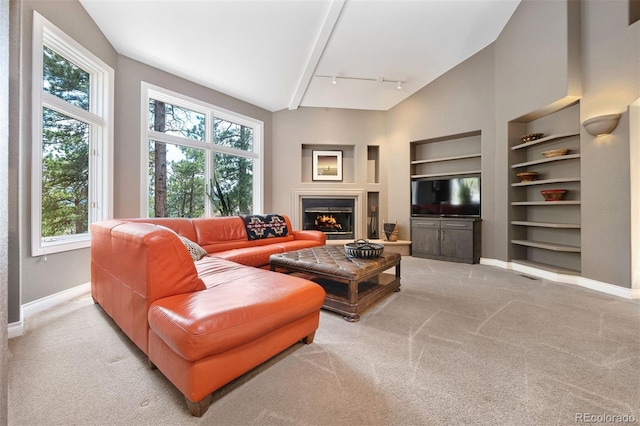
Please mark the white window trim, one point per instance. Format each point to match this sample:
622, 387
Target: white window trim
150, 91
100, 119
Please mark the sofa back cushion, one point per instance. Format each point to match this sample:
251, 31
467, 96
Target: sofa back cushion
180, 225
212, 230
228, 233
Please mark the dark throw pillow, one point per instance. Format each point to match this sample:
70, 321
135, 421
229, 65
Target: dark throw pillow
265, 226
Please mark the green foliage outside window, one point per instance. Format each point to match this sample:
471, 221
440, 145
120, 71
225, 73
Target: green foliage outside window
65, 151
177, 173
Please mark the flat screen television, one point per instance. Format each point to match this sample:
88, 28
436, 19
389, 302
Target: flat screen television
457, 196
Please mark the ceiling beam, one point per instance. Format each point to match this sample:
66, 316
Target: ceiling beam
316, 53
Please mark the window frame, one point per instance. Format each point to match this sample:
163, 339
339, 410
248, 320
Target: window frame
99, 118
150, 91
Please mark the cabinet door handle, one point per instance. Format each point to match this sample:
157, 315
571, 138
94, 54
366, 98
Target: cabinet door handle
442, 233
456, 225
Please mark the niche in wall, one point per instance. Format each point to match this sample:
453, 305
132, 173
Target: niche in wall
373, 164
634, 11
546, 234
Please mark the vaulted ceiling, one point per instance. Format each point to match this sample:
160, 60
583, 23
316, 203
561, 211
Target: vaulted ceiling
280, 54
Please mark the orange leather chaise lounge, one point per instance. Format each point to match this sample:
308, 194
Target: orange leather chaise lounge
204, 318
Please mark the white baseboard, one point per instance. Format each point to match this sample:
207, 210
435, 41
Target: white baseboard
602, 287
494, 262
16, 329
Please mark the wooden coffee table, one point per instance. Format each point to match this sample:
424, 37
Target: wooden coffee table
352, 284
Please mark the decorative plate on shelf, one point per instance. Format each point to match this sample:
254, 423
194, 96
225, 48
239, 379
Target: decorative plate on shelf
527, 176
553, 194
556, 152
531, 137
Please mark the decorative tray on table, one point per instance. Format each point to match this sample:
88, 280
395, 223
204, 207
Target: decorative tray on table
363, 249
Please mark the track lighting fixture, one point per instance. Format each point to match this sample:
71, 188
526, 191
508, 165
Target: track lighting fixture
334, 79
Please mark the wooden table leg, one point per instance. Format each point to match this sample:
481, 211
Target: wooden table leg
352, 317
353, 301
353, 293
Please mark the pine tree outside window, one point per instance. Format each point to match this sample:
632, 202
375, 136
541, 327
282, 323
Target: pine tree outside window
201, 160
72, 139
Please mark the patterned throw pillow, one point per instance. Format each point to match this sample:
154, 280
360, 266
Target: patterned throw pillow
195, 250
265, 226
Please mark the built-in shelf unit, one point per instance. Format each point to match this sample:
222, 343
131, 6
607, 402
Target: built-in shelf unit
455, 155
546, 234
445, 238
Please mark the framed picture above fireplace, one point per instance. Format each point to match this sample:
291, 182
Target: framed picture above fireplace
327, 165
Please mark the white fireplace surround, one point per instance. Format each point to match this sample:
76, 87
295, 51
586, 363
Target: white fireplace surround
358, 195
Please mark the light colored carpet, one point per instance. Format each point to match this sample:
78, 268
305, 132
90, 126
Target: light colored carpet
460, 344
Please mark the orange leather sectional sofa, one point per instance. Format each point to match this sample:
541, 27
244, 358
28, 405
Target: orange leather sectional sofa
204, 322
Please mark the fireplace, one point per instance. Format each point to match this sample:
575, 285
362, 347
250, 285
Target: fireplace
334, 217
356, 199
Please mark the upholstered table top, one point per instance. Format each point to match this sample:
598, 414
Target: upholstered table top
332, 261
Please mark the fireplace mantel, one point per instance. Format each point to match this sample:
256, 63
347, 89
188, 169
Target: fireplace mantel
359, 195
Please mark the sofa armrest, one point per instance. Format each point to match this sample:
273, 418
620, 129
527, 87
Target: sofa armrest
133, 265
310, 235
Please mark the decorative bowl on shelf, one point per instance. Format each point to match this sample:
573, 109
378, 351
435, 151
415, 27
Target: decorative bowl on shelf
363, 249
553, 194
531, 137
556, 152
527, 176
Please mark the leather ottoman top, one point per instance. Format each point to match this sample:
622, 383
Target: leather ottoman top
332, 260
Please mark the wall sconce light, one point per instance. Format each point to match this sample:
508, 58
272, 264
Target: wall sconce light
601, 125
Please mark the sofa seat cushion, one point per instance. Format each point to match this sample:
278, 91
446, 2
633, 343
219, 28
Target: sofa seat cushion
219, 246
298, 244
245, 307
214, 271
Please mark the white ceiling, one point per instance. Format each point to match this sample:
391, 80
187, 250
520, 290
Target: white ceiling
271, 52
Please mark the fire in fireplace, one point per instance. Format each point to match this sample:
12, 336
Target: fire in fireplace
334, 217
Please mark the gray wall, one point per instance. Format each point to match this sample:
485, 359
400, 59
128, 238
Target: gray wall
129, 76
326, 127
610, 83
533, 71
583, 49
4, 203
32, 278
459, 101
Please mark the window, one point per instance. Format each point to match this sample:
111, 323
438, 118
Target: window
201, 160
72, 139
